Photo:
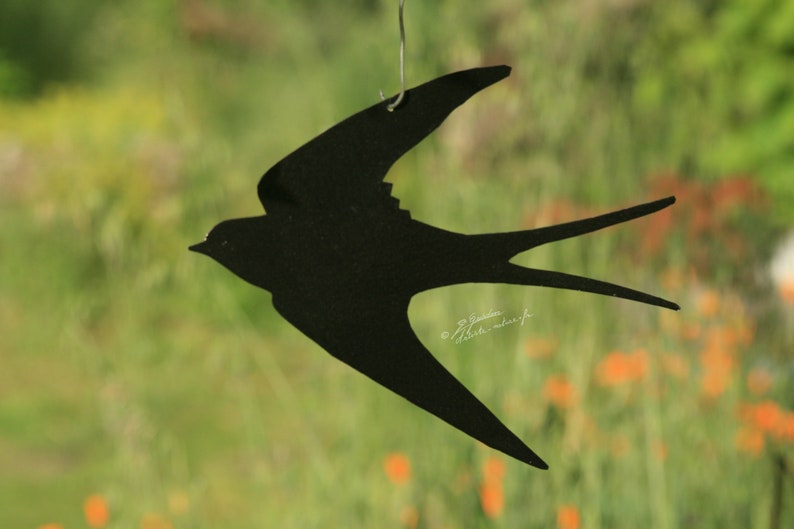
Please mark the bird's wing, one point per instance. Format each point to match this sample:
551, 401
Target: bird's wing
378, 341
343, 168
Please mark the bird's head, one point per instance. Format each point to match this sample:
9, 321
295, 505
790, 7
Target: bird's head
241, 245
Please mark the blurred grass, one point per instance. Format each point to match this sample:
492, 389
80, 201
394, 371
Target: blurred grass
136, 370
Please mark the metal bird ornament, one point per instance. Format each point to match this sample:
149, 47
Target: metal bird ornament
342, 261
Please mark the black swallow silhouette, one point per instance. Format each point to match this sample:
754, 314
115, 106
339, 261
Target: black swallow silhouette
342, 261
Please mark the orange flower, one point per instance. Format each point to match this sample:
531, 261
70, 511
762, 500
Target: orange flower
559, 392
655, 230
493, 469
568, 517
717, 359
732, 192
759, 381
621, 368
397, 467
708, 304
492, 498
785, 427
718, 363
750, 441
50, 526
712, 385
491, 491
786, 290
766, 416
724, 337
96, 511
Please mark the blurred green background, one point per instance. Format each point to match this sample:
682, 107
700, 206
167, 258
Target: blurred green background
169, 393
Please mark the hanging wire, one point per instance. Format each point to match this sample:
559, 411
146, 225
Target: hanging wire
394, 104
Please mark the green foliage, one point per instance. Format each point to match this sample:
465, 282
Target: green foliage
103, 164
13, 81
43, 41
730, 64
138, 370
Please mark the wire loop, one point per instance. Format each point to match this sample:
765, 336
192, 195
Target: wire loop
394, 104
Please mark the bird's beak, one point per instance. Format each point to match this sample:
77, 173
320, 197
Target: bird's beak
200, 247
